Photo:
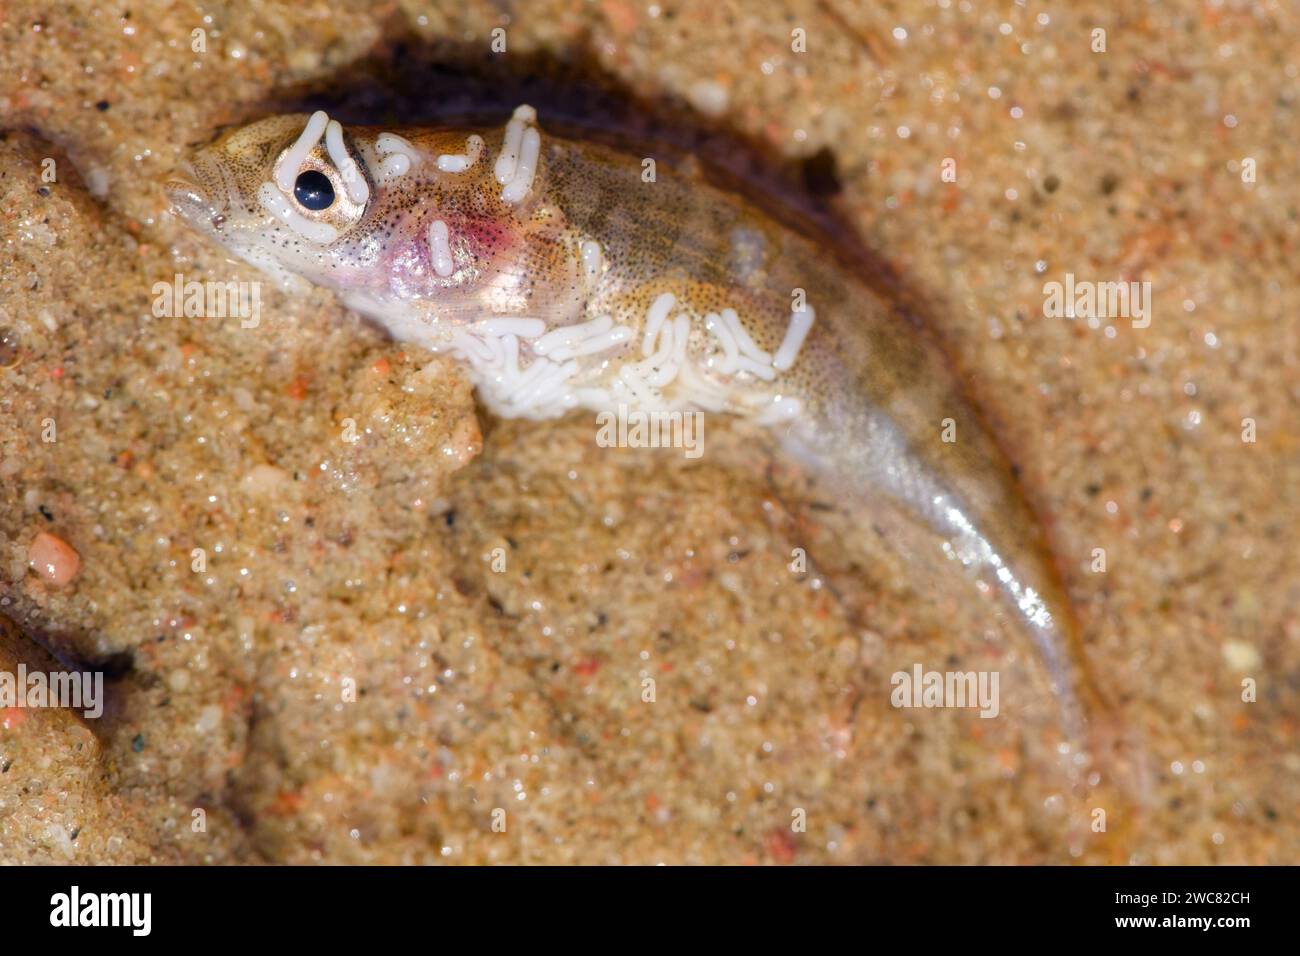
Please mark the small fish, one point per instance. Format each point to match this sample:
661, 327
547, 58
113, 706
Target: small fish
567, 278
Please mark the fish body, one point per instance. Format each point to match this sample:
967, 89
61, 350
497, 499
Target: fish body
569, 275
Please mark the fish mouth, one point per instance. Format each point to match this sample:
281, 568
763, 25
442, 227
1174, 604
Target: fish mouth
191, 201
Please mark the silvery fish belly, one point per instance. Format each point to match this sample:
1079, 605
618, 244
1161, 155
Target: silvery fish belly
567, 276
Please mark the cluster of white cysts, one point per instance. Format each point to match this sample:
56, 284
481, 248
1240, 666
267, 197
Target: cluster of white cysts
586, 366
524, 371
517, 163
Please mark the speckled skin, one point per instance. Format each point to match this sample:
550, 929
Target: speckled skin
876, 393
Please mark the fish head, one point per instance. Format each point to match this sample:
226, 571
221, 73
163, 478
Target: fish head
288, 194
379, 218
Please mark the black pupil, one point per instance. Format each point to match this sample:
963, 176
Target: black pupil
314, 190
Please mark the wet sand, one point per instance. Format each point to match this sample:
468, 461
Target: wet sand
388, 640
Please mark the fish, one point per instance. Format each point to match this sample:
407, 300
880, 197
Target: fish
571, 276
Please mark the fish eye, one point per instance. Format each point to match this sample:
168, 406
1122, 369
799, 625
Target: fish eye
313, 190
